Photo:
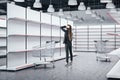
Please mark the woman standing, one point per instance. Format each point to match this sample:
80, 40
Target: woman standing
68, 42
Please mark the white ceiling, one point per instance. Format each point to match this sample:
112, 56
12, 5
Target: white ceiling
88, 20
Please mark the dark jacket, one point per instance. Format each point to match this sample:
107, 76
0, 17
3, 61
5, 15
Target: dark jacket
66, 38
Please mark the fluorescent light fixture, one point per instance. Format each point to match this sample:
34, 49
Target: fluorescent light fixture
60, 13
105, 1
88, 11
72, 2
50, 8
81, 6
19, 0
37, 4
110, 5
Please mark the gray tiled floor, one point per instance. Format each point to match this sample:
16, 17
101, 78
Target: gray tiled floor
84, 67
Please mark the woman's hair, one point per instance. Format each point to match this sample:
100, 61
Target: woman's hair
69, 32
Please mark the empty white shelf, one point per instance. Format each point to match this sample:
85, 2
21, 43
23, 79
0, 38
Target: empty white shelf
17, 35
29, 50
20, 19
22, 35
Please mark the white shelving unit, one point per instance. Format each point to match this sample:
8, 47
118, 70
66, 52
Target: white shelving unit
2, 36
28, 29
85, 36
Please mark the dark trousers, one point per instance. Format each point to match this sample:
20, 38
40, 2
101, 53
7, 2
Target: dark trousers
68, 48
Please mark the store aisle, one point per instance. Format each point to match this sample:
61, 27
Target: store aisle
84, 67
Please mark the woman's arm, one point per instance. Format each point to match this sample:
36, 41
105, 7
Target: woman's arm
63, 28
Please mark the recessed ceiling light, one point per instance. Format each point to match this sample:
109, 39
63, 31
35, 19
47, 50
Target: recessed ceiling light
110, 5
37, 4
81, 6
19, 0
105, 1
88, 11
72, 2
50, 8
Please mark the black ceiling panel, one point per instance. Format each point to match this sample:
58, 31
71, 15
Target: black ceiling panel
94, 4
3, 7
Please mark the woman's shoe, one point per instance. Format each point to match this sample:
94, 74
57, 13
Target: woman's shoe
67, 64
71, 62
